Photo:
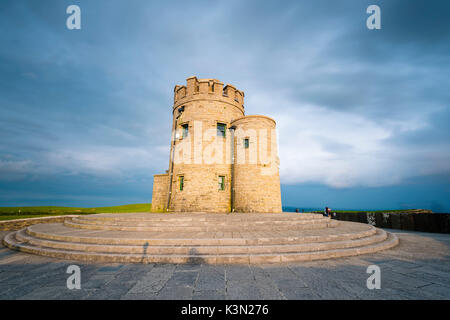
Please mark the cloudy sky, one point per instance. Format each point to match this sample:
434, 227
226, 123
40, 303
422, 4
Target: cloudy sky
363, 115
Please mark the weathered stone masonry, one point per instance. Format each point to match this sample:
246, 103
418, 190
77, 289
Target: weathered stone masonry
214, 172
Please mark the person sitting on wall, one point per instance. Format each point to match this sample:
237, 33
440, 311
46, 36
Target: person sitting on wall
325, 212
331, 214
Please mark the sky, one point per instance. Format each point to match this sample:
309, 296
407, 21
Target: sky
362, 115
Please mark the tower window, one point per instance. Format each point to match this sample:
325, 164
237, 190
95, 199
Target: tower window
185, 130
221, 128
246, 143
181, 183
221, 182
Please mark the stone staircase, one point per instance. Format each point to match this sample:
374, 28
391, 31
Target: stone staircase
197, 237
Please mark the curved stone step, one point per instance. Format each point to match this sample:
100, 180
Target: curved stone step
150, 249
173, 218
11, 242
198, 228
60, 232
216, 222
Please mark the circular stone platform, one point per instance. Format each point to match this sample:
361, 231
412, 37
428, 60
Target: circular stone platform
200, 237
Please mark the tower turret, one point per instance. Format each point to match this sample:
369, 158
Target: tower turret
207, 120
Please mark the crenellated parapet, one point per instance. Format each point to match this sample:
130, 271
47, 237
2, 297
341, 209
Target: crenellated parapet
207, 89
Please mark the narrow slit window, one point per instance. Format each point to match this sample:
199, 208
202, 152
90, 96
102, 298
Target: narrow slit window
221, 128
181, 183
246, 143
221, 182
185, 130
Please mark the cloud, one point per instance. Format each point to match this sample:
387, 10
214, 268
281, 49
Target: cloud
11, 170
353, 107
343, 149
101, 160
98, 161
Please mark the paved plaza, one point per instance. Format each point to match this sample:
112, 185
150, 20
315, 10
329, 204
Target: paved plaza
418, 268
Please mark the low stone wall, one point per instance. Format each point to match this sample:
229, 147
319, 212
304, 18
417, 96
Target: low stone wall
426, 222
18, 224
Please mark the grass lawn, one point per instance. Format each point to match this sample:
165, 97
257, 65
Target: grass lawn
9, 213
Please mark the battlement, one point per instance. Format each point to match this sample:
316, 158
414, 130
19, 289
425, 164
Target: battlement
207, 89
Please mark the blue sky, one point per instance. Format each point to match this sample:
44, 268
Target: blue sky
363, 115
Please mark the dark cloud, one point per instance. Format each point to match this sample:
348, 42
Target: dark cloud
92, 107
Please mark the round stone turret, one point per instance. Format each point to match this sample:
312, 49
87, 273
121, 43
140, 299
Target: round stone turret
204, 173
256, 174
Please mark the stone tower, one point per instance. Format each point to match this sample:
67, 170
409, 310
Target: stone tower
220, 160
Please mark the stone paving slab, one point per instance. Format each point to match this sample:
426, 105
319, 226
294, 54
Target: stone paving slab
418, 268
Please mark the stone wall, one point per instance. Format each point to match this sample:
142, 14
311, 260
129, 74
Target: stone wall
201, 189
202, 156
257, 180
159, 195
425, 222
18, 224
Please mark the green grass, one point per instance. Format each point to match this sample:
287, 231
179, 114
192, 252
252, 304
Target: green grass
9, 213
24, 216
